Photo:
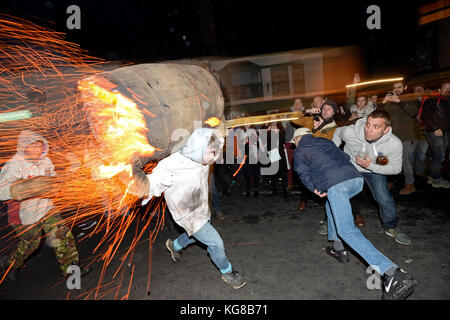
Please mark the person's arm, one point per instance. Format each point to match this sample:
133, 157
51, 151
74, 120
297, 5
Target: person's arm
427, 115
337, 136
410, 108
8, 176
352, 92
304, 121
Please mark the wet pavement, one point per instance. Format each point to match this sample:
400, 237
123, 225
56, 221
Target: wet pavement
272, 244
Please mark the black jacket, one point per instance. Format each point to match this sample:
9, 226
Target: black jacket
436, 114
321, 165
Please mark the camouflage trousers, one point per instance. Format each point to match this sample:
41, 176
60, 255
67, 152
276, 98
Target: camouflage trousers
60, 237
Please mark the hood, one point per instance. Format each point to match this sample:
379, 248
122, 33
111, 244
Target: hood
359, 129
198, 142
26, 138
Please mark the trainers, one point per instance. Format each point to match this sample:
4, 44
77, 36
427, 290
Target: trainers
176, 255
399, 286
323, 229
429, 180
399, 236
341, 256
233, 280
440, 184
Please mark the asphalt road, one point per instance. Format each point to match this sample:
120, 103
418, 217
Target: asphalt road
273, 245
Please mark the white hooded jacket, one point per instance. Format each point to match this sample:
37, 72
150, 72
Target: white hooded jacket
17, 168
184, 180
389, 145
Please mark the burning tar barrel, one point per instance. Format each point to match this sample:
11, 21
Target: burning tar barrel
146, 108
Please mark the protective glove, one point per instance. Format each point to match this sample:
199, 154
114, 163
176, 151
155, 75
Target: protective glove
138, 183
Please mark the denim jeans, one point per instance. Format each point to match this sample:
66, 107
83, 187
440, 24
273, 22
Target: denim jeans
211, 238
418, 155
437, 145
342, 226
215, 199
407, 164
378, 185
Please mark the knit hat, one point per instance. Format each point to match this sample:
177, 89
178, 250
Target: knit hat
330, 103
300, 132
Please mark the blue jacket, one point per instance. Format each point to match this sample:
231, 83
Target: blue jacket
321, 165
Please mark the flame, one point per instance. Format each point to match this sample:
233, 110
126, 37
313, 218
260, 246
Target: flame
39, 71
213, 122
110, 171
122, 126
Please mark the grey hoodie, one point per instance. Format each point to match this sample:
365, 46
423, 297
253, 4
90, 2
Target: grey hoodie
184, 180
389, 145
17, 168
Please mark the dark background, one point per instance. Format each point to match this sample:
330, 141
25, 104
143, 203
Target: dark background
175, 29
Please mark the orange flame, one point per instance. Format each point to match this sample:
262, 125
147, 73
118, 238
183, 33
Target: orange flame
213, 122
122, 126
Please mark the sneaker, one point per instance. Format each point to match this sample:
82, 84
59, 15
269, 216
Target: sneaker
323, 229
176, 255
440, 184
341, 256
255, 193
399, 286
399, 236
430, 180
233, 280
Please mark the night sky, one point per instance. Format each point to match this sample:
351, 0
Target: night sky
154, 31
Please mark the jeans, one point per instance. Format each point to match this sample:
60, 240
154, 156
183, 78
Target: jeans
437, 145
211, 238
341, 224
215, 200
418, 155
378, 185
407, 164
